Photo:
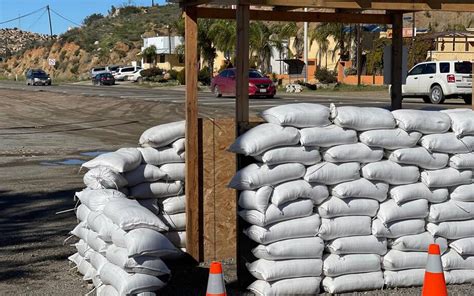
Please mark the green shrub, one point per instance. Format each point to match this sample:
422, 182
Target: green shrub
173, 74
204, 76
152, 72
181, 77
326, 76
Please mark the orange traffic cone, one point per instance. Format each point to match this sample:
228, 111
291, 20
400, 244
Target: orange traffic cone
215, 284
434, 284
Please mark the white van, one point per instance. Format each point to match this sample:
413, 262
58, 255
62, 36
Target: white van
124, 72
439, 80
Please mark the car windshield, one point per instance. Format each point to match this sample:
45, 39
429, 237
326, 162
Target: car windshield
98, 69
40, 74
107, 75
463, 68
255, 74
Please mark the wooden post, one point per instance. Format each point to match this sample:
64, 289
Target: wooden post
472, 94
359, 53
244, 244
397, 54
193, 204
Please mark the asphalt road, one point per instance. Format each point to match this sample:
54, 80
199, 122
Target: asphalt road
226, 104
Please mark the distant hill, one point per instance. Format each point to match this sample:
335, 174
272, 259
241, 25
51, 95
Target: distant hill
15, 40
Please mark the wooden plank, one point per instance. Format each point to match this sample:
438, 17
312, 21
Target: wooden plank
209, 192
472, 94
193, 204
397, 53
242, 67
297, 16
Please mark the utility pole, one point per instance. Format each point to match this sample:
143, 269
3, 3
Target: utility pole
305, 55
413, 30
152, 3
50, 25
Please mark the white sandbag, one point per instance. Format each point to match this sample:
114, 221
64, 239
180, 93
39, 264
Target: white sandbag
404, 278
258, 200
129, 284
144, 173
462, 122
97, 260
297, 115
446, 177
419, 156
463, 246
174, 171
390, 212
129, 214
447, 143
161, 155
292, 210
397, 228
345, 226
390, 138
307, 247
296, 228
162, 135
336, 207
159, 189
404, 193
361, 188
177, 238
83, 267
452, 229
327, 136
269, 270
452, 210
354, 282
295, 286
99, 223
175, 222
366, 244
330, 173
82, 211
417, 243
453, 260
122, 160
362, 118
426, 122
95, 200
143, 241
90, 237
336, 265
173, 205
293, 190
82, 248
141, 264
464, 161
398, 260
463, 193
453, 277
299, 154
256, 175
104, 178
179, 145
390, 172
106, 290
150, 204
264, 137
358, 152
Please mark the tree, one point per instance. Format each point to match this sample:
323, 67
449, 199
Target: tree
261, 45
150, 53
224, 36
321, 37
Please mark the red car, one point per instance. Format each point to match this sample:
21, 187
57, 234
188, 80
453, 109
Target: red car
259, 85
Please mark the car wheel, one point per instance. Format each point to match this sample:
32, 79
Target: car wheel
467, 99
140, 80
427, 100
217, 92
270, 96
436, 95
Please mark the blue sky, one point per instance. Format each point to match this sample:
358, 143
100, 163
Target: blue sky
74, 10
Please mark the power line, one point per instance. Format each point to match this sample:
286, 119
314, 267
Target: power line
36, 21
22, 16
64, 18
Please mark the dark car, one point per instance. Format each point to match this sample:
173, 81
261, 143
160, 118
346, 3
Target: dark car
259, 85
37, 77
103, 79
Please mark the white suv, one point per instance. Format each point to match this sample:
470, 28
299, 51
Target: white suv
439, 80
124, 72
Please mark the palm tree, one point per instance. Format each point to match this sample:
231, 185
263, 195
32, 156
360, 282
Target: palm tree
261, 45
224, 36
292, 30
150, 53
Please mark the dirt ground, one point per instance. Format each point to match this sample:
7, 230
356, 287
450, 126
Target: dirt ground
40, 133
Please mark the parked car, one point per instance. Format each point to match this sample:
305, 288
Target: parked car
103, 79
37, 77
97, 70
136, 76
439, 80
123, 72
259, 85
113, 68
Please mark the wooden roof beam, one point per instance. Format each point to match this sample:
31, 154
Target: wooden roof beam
297, 16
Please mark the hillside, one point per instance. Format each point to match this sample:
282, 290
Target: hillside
112, 39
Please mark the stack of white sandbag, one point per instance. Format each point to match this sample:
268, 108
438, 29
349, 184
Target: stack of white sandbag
387, 174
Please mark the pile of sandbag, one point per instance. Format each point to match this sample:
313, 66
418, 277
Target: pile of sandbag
385, 185
124, 214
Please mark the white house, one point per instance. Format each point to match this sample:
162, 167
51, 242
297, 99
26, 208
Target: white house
166, 56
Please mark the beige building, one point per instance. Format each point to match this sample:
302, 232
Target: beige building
453, 46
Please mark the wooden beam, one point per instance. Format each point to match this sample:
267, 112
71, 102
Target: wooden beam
193, 201
297, 16
472, 94
397, 54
